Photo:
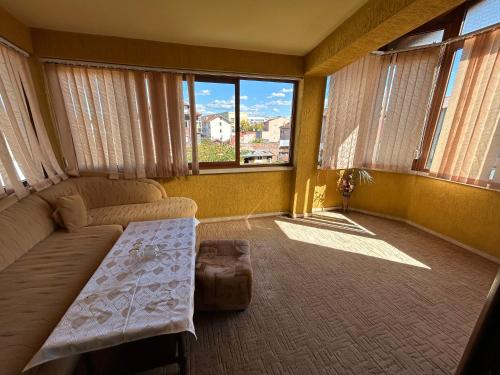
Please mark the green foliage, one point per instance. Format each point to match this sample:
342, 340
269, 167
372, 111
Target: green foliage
246, 126
212, 151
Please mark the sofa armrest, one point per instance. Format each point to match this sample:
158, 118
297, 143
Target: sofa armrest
156, 184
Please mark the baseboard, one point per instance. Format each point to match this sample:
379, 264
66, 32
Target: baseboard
241, 217
430, 231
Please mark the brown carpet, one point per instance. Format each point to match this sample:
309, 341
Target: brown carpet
338, 294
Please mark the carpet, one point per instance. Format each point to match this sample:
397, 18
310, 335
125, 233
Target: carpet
344, 294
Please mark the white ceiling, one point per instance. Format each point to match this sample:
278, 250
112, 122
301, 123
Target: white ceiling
280, 26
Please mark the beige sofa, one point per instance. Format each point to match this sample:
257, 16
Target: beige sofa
43, 267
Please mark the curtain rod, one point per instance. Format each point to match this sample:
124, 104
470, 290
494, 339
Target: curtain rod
448, 41
155, 69
10, 45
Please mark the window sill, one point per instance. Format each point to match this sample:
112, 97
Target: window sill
246, 169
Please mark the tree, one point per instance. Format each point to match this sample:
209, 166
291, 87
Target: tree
213, 151
245, 126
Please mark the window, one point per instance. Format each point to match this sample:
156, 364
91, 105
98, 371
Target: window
242, 122
265, 121
418, 40
444, 106
483, 14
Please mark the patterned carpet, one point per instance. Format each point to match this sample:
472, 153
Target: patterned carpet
337, 294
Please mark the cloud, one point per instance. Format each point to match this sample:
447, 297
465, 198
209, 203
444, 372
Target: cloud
205, 92
276, 95
243, 97
221, 104
280, 102
276, 110
287, 90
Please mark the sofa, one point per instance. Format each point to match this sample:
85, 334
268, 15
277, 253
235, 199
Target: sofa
43, 267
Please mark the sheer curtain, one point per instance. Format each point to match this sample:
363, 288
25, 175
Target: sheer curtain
354, 103
119, 122
468, 149
377, 108
25, 150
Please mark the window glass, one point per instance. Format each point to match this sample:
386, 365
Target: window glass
418, 40
215, 122
481, 15
444, 106
265, 121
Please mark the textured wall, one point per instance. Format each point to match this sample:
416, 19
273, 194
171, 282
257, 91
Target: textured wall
99, 48
377, 23
14, 31
307, 137
235, 194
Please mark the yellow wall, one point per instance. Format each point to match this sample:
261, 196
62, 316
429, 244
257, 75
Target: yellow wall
86, 47
467, 214
377, 23
14, 31
235, 194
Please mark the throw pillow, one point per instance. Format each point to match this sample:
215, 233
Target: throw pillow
73, 212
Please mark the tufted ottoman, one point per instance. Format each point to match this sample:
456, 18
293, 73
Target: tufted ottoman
223, 275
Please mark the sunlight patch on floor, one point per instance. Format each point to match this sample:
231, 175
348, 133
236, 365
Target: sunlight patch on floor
349, 242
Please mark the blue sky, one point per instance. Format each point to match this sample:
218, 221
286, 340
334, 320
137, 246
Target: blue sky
257, 98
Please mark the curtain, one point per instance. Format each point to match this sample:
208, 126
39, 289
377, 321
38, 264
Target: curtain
119, 122
468, 148
25, 150
354, 103
377, 109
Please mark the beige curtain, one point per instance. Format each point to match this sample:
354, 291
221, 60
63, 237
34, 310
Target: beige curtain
25, 150
468, 148
377, 109
354, 103
120, 122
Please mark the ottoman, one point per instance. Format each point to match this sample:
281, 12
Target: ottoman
223, 275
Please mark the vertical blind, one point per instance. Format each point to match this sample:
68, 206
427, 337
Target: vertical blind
468, 148
119, 121
26, 155
377, 108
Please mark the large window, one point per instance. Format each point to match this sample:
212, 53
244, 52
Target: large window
242, 122
421, 104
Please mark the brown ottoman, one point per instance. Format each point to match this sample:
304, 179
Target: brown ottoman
223, 275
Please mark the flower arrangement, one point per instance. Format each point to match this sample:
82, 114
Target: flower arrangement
347, 182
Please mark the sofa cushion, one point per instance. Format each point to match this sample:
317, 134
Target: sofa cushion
169, 208
37, 289
103, 192
22, 226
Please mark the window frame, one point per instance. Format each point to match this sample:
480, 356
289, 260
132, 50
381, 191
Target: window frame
452, 25
236, 81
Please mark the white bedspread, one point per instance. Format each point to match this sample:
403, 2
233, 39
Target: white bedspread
131, 297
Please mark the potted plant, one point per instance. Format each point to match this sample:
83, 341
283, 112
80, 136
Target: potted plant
348, 178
